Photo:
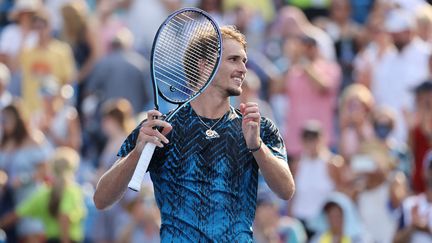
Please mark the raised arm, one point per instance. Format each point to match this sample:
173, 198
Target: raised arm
275, 170
114, 182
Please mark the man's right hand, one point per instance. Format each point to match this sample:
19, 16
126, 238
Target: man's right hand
149, 135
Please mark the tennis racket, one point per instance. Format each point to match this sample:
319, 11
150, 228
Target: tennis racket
185, 56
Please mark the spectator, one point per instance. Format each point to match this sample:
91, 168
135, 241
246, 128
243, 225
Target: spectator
54, 9
117, 123
49, 60
107, 82
355, 125
415, 223
81, 36
339, 222
108, 24
23, 156
311, 86
407, 63
343, 31
143, 219
59, 205
57, 119
292, 22
271, 227
315, 162
107, 78
381, 189
16, 36
420, 131
384, 122
369, 57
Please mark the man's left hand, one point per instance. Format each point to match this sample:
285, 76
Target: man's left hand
251, 124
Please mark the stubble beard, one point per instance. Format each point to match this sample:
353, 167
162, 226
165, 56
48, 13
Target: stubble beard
234, 92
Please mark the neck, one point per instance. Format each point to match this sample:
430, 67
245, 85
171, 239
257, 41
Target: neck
44, 41
210, 105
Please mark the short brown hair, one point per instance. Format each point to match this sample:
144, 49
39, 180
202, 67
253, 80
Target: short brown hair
231, 32
200, 48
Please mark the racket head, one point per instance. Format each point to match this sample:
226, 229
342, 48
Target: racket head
185, 56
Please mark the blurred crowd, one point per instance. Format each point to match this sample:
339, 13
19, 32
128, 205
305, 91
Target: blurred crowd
348, 82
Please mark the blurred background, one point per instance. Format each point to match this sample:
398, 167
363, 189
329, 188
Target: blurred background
348, 83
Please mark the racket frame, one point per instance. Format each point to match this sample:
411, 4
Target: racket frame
156, 91
147, 153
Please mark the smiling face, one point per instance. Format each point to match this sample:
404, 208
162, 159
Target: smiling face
232, 70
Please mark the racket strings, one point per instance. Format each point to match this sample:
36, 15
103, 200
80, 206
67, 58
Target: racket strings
176, 68
176, 64
206, 29
173, 49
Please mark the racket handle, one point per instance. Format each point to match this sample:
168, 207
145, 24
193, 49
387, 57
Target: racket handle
141, 168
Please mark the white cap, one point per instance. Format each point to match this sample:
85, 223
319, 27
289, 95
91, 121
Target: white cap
24, 6
399, 20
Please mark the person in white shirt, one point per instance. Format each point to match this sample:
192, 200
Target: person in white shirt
17, 36
316, 162
415, 223
400, 69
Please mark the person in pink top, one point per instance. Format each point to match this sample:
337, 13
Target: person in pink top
312, 86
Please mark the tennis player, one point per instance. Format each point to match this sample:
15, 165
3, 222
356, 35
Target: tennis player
205, 168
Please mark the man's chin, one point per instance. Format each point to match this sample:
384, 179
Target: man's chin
234, 92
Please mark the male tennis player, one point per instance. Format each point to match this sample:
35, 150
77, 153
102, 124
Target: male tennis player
205, 169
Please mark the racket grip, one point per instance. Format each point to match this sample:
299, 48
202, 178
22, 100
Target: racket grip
141, 168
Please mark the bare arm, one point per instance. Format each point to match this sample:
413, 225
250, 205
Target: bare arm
64, 228
319, 81
113, 183
275, 170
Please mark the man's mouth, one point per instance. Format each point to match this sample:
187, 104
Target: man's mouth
238, 80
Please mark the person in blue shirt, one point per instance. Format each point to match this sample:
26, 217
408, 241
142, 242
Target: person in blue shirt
205, 169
